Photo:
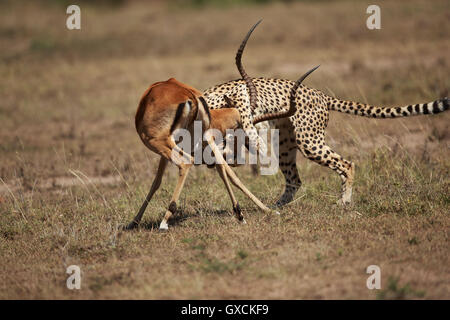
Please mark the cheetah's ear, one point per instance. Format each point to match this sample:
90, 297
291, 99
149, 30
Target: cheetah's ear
230, 104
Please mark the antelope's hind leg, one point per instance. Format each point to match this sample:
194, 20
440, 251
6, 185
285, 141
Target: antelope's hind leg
155, 186
184, 162
182, 174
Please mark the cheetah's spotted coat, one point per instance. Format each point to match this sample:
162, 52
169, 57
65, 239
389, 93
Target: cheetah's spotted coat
305, 130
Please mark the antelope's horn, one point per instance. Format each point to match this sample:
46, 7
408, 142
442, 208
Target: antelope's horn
248, 81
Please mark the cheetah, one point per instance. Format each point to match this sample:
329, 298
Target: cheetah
305, 129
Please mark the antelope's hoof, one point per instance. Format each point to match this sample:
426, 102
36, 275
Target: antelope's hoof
132, 225
276, 205
163, 226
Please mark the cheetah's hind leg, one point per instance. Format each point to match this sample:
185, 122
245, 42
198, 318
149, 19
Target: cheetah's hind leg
347, 186
323, 155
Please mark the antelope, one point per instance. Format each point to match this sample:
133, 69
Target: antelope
170, 105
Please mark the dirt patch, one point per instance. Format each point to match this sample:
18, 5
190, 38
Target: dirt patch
55, 183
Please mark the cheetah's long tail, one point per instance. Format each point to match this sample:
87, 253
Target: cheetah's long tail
366, 110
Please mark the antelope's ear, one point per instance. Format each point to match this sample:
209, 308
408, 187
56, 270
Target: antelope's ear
230, 104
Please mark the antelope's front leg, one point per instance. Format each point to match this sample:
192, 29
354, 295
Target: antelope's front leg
234, 179
237, 210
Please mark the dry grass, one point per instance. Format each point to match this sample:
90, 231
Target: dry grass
73, 169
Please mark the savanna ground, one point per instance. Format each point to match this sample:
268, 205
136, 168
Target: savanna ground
73, 169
